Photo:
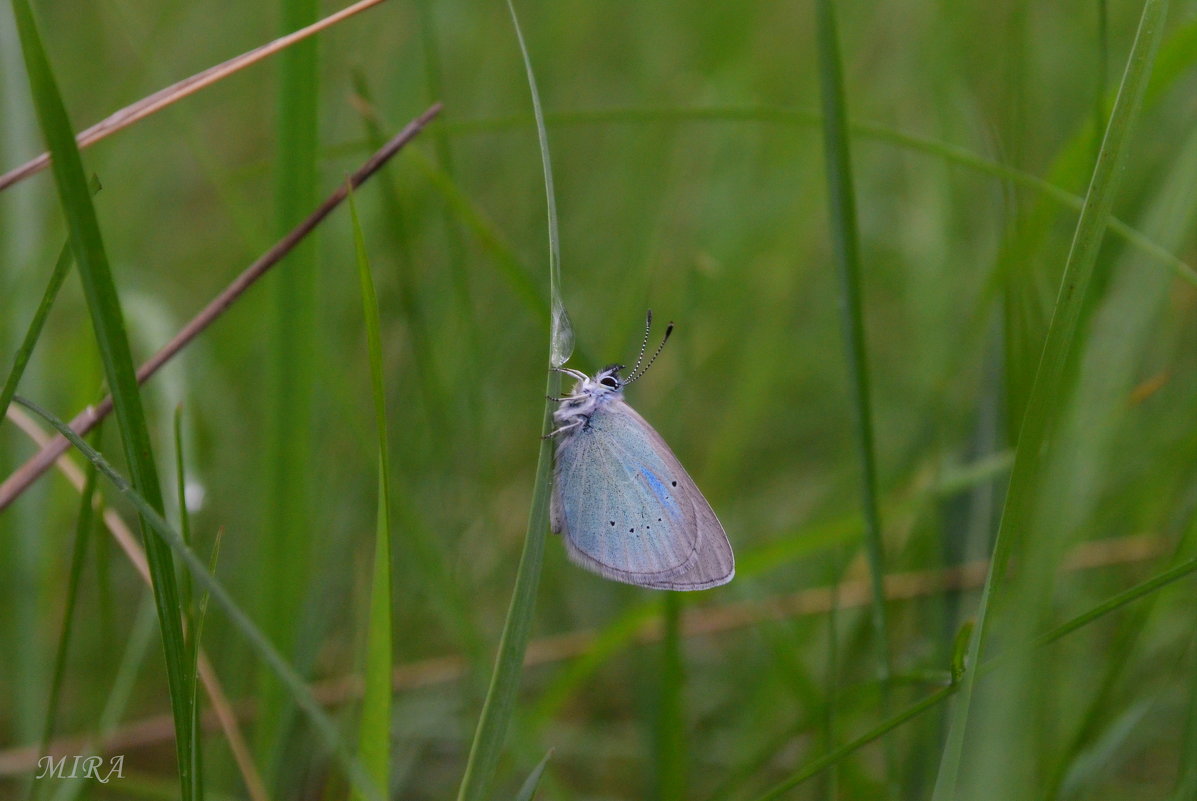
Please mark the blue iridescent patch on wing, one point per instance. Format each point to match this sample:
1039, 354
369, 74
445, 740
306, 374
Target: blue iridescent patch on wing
662, 493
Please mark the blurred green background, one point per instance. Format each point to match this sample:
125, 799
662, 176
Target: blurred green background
690, 180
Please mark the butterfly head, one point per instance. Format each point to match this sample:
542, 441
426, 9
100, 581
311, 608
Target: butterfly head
592, 391
608, 379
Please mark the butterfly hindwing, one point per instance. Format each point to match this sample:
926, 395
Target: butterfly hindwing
630, 512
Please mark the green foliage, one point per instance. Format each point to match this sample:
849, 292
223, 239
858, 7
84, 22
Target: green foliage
291, 375
689, 157
107, 319
499, 706
374, 732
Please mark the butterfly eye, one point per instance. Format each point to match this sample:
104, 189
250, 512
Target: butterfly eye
610, 382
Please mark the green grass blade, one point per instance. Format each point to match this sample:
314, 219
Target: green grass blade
1186, 780
826, 761
1028, 295
1048, 388
197, 638
533, 781
425, 552
614, 638
136, 652
108, 322
166, 534
287, 541
499, 705
84, 525
561, 344
374, 733
670, 762
61, 267
845, 244
949, 153
756, 764
1099, 703
1123, 333
189, 611
455, 249
181, 500
829, 721
420, 333
1100, 70
1140, 590
1118, 601
513, 271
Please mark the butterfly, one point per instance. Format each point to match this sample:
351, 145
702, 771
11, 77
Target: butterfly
624, 504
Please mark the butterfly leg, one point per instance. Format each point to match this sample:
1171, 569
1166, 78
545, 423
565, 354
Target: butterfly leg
564, 429
572, 373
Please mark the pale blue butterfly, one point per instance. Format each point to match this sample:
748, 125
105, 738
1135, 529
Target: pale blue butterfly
625, 505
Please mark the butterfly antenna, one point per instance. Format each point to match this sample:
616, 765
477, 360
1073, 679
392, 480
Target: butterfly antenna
648, 324
635, 376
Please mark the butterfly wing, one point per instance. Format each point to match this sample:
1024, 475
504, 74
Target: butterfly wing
630, 512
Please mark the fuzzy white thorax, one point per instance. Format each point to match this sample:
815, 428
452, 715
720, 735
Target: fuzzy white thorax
588, 395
